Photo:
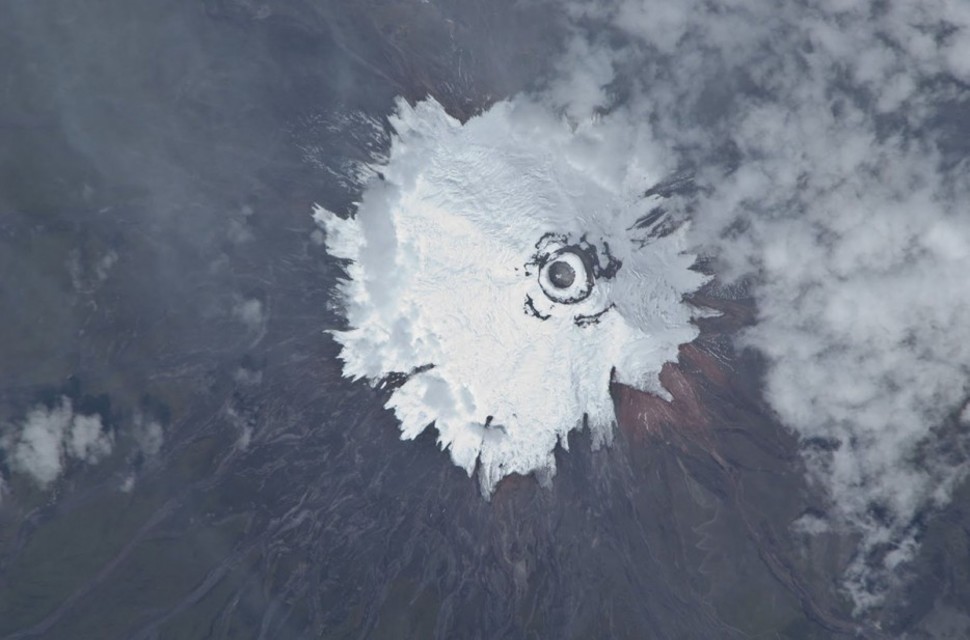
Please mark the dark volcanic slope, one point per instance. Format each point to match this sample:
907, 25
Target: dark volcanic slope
157, 165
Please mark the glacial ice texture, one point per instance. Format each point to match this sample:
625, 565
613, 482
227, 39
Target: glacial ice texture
499, 265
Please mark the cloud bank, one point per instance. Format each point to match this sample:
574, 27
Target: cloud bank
828, 140
504, 271
49, 437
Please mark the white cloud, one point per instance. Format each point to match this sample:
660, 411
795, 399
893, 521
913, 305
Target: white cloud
149, 435
246, 425
87, 273
48, 437
579, 89
810, 524
87, 439
247, 377
250, 312
814, 131
812, 125
239, 232
104, 265
39, 448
